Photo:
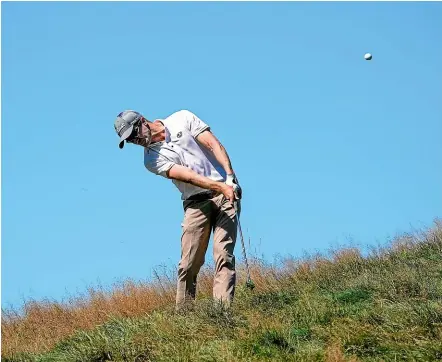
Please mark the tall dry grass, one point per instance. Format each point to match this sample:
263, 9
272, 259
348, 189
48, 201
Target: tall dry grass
328, 306
42, 324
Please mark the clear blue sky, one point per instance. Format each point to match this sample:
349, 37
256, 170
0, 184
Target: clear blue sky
328, 147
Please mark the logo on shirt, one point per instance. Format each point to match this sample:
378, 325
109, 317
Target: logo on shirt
179, 134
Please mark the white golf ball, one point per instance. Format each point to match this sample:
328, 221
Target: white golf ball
367, 56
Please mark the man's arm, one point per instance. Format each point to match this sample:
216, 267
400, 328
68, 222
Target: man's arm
210, 142
185, 174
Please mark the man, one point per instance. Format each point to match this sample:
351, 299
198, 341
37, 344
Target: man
182, 148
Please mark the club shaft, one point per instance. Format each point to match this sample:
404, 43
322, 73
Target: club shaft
242, 244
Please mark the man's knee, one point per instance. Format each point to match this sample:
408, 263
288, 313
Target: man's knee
189, 269
225, 259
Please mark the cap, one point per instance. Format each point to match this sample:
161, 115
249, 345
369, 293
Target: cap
124, 124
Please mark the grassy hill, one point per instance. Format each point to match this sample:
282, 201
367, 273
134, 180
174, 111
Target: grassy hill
343, 305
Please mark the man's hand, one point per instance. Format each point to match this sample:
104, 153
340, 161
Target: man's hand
231, 180
228, 192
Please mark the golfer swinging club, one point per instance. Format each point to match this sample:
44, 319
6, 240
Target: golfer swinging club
182, 148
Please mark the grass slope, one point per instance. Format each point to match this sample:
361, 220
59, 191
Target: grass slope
386, 306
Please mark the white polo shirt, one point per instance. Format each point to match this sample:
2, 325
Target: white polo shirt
180, 147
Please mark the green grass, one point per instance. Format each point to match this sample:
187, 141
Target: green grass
383, 307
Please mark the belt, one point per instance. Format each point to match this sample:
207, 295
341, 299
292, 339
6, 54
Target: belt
202, 196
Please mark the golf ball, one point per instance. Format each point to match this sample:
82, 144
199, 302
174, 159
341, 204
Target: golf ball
367, 56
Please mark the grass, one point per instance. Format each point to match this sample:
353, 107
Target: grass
343, 306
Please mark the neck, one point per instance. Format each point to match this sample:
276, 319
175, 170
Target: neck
158, 131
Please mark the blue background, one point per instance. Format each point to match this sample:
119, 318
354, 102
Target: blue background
328, 147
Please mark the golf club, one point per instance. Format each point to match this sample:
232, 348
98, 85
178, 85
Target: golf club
249, 282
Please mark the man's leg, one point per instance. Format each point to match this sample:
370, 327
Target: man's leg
225, 232
194, 241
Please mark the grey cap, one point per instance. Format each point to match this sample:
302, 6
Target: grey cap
124, 124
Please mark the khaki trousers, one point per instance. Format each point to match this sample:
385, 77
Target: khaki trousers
201, 218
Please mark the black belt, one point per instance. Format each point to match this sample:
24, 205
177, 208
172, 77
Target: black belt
202, 196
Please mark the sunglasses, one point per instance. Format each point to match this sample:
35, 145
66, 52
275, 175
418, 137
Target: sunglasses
137, 132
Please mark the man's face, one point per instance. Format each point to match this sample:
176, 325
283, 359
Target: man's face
141, 134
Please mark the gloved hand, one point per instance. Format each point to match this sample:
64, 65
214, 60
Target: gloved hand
231, 180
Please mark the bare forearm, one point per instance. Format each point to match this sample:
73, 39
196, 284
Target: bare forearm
221, 156
185, 174
203, 182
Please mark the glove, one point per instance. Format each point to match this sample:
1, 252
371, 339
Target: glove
231, 180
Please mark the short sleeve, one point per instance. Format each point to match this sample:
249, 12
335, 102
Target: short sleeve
157, 164
195, 124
